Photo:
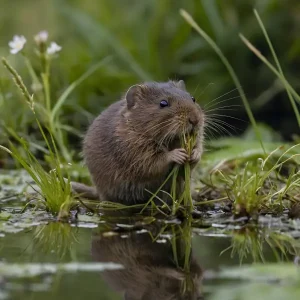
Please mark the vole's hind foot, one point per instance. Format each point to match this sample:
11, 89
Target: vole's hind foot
178, 156
84, 191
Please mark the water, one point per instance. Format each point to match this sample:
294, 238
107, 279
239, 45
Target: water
145, 258
42, 261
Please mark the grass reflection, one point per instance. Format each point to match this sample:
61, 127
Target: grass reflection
55, 237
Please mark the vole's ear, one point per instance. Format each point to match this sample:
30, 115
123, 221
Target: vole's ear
132, 95
180, 84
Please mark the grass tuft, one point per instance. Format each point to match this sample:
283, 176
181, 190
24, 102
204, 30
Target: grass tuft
55, 191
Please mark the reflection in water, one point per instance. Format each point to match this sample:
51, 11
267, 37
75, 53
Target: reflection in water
55, 237
157, 254
257, 242
251, 240
159, 265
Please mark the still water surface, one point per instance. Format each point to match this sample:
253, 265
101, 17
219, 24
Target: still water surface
144, 258
120, 259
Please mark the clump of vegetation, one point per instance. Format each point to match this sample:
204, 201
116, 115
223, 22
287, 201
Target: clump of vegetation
46, 107
54, 186
258, 185
253, 187
54, 190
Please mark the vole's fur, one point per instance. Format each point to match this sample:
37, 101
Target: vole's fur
131, 146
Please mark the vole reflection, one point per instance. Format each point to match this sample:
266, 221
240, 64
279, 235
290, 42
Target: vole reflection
161, 269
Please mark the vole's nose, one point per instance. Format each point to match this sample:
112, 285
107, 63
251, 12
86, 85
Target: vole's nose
194, 120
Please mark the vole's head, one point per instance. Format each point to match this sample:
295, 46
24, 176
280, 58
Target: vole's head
163, 111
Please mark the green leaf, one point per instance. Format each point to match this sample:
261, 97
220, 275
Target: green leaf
62, 99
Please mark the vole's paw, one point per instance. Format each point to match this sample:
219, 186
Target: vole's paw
195, 156
178, 156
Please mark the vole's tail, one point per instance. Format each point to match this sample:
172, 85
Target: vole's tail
85, 191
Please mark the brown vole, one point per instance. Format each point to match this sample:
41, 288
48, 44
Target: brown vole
131, 146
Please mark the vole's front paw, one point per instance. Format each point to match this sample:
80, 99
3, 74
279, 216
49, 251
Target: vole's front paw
178, 156
195, 156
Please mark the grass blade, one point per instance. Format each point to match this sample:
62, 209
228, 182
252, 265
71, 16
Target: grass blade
99, 34
62, 99
212, 12
188, 18
295, 108
270, 66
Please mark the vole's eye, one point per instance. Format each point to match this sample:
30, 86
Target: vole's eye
194, 100
164, 103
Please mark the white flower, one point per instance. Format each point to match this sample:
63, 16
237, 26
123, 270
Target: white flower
41, 37
53, 48
17, 44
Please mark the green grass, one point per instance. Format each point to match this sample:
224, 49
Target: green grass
229, 68
54, 190
257, 185
183, 201
46, 108
249, 174
171, 50
279, 72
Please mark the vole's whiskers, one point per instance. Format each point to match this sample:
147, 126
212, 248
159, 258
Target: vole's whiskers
195, 90
207, 106
156, 128
220, 125
156, 125
225, 116
215, 99
218, 121
203, 91
226, 107
210, 131
167, 136
155, 132
219, 129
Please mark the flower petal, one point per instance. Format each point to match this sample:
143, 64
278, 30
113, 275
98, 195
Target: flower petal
14, 51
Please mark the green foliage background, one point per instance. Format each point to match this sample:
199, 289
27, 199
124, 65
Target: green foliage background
149, 40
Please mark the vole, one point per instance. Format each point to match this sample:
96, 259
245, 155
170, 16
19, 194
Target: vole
131, 147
